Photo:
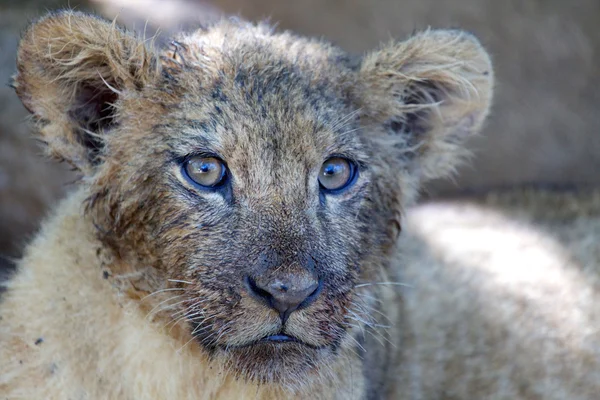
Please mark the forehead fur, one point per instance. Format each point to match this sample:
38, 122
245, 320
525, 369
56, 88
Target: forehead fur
261, 101
231, 43
260, 74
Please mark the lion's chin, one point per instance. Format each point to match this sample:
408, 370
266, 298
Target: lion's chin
277, 359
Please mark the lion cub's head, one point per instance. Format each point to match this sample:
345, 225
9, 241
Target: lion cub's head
260, 175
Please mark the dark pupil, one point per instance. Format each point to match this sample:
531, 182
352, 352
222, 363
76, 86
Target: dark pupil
332, 169
207, 167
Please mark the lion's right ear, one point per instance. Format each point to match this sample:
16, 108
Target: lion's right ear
424, 97
73, 71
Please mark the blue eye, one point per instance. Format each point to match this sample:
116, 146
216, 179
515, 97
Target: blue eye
208, 172
336, 173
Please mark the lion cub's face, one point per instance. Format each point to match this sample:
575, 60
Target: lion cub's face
262, 191
260, 176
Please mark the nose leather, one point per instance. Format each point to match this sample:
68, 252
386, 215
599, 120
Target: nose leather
287, 296
285, 292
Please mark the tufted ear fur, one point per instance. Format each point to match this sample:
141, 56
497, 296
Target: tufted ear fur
73, 70
425, 96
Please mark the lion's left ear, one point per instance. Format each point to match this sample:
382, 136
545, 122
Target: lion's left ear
425, 96
73, 70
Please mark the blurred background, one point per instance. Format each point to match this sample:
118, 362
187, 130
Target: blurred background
544, 128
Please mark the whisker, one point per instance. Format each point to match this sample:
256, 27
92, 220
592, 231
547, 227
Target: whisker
223, 330
377, 335
373, 309
180, 281
174, 323
190, 312
161, 291
357, 343
158, 307
370, 297
186, 343
368, 323
383, 283
213, 341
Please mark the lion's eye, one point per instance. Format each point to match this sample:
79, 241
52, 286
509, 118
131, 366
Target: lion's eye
205, 171
336, 174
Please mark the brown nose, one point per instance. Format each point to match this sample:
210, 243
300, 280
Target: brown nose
285, 293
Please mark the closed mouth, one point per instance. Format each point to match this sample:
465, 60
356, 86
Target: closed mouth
277, 340
275, 358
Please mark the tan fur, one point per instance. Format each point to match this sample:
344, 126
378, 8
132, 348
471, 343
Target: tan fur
500, 303
78, 353
492, 298
139, 276
503, 297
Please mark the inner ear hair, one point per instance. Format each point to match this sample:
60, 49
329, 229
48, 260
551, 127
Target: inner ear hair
72, 70
414, 105
428, 94
93, 111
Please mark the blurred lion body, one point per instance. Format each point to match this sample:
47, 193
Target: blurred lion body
503, 296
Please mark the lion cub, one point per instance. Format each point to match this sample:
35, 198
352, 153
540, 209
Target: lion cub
234, 233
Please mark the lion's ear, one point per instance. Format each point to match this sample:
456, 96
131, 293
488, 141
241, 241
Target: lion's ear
73, 71
425, 96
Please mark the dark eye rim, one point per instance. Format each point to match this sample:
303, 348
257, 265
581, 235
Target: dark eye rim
351, 179
224, 178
